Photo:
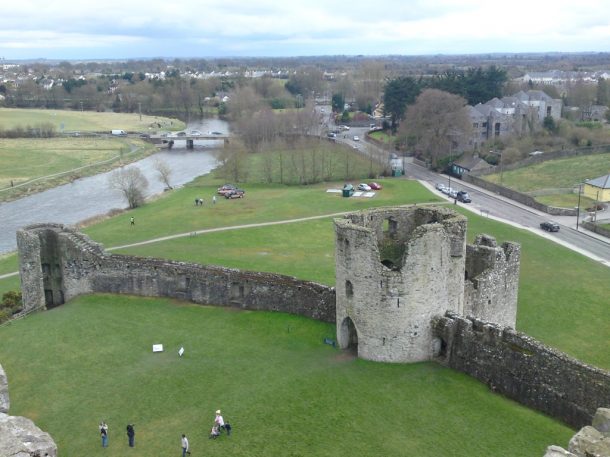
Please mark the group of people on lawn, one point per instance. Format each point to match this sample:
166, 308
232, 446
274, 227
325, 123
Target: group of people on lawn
219, 426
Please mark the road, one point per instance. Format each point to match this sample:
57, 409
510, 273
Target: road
493, 205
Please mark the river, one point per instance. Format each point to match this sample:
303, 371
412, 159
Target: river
92, 196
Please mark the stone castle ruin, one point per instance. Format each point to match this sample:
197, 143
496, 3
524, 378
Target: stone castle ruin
408, 289
397, 268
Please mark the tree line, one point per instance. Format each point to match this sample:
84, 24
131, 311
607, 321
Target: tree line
475, 85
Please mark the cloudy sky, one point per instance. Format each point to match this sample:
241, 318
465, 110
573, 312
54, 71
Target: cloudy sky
84, 29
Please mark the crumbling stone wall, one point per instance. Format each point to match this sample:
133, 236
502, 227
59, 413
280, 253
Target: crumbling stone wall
522, 368
396, 268
58, 264
492, 280
19, 436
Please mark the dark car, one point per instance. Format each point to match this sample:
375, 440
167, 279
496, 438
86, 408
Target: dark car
463, 197
235, 193
222, 190
549, 226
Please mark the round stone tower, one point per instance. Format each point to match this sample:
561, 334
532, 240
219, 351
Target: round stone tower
396, 268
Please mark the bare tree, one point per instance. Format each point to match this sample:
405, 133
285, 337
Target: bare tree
164, 171
438, 120
132, 183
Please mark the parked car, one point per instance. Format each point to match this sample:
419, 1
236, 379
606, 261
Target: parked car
375, 186
356, 138
216, 133
235, 193
463, 196
452, 193
226, 188
364, 187
345, 127
440, 187
448, 190
195, 133
549, 226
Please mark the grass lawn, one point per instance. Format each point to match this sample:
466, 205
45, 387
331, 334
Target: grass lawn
175, 211
552, 174
383, 136
566, 201
85, 121
284, 392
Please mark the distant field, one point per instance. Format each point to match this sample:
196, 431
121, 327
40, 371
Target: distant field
552, 174
25, 160
85, 121
284, 391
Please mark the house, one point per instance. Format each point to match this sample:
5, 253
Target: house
468, 163
595, 113
513, 115
598, 189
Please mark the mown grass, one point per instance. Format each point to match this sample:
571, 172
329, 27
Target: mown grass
284, 392
175, 212
552, 174
85, 121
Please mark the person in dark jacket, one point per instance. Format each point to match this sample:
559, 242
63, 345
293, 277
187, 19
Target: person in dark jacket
131, 434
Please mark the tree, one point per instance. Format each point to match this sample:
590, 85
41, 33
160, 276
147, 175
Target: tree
399, 93
603, 92
337, 103
438, 121
164, 171
132, 183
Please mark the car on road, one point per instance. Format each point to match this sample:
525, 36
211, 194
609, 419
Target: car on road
344, 127
226, 188
364, 187
549, 226
452, 193
440, 187
463, 196
195, 133
356, 138
216, 133
235, 193
181, 134
375, 186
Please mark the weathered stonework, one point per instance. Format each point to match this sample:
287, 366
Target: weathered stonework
5, 402
492, 281
58, 264
590, 441
19, 436
397, 268
523, 369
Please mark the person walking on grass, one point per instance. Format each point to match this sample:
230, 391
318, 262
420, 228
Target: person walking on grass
104, 433
132, 221
185, 446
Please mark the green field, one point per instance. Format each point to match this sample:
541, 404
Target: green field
85, 121
555, 174
284, 392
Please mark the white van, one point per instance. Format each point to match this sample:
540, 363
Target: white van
119, 132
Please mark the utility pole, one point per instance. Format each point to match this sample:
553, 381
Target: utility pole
140, 109
578, 207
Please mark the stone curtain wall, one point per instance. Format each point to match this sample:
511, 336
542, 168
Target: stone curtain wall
523, 369
79, 266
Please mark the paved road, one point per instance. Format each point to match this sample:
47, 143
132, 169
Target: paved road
487, 203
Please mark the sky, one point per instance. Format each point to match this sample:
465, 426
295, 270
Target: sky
124, 29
